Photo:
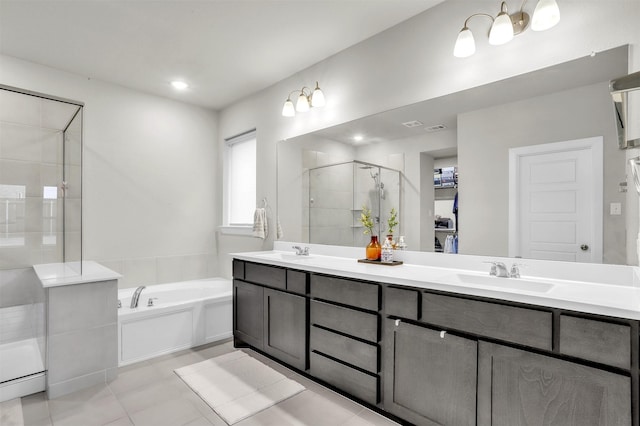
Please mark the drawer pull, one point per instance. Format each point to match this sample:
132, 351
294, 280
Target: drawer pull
397, 322
442, 333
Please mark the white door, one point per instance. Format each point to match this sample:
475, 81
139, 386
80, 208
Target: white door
555, 201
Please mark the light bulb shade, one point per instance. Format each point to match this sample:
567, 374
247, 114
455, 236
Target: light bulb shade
545, 16
317, 97
465, 44
303, 103
501, 30
288, 110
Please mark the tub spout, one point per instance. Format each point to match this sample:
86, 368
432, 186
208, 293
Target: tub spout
136, 296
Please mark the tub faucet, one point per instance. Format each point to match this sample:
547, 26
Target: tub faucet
136, 296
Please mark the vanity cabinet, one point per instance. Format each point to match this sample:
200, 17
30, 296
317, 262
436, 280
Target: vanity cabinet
432, 357
430, 375
248, 313
444, 352
285, 327
270, 311
344, 335
521, 387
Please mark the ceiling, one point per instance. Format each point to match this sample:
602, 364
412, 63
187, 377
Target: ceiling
224, 49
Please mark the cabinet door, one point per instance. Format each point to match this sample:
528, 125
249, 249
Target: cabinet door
429, 379
285, 324
517, 387
248, 316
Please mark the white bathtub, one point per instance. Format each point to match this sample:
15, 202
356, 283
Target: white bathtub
185, 314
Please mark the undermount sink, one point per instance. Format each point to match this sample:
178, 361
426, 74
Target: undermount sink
291, 257
506, 283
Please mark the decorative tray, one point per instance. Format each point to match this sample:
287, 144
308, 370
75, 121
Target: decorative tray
379, 262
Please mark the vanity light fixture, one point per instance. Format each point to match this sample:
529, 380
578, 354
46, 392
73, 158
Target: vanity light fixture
307, 99
505, 26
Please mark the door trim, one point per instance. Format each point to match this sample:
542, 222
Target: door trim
595, 146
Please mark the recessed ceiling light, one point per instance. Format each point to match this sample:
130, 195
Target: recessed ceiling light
358, 138
413, 123
435, 128
180, 85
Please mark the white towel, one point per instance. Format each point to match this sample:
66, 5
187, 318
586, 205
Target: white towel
260, 227
278, 229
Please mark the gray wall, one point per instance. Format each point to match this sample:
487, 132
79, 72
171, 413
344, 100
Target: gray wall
484, 139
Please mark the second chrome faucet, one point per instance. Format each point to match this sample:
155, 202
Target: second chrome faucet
499, 269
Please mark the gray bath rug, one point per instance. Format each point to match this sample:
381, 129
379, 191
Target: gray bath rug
237, 386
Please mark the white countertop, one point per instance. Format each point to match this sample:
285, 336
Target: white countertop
618, 298
61, 274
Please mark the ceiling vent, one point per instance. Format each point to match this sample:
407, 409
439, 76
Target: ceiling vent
414, 123
435, 128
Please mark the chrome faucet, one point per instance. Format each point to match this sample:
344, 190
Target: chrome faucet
301, 251
499, 269
136, 296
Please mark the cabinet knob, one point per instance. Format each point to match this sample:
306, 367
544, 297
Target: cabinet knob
584, 247
442, 333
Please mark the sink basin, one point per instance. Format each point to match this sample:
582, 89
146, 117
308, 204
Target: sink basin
290, 257
506, 283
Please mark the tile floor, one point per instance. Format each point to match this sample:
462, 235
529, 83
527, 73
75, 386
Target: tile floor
150, 393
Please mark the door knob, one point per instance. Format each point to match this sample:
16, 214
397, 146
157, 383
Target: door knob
584, 247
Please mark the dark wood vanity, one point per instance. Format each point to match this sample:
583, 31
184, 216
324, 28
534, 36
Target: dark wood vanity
429, 357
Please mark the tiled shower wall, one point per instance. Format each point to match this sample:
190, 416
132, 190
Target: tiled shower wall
21, 307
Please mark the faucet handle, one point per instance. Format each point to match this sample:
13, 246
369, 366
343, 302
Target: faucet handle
150, 301
515, 270
494, 268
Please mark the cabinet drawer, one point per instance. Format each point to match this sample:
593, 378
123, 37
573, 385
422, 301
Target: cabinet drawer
357, 383
596, 341
297, 282
351, 351
270, 276
513, 324
401, 302
354, 323
348, 292
238, 269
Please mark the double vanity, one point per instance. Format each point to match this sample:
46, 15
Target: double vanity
438, 340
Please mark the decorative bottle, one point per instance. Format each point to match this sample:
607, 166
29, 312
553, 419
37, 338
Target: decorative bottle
387, 252
373, 249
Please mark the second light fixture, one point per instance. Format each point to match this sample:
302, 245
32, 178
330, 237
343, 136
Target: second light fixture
306, 100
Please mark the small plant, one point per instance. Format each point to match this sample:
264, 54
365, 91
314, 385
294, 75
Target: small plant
392, 222
365, 219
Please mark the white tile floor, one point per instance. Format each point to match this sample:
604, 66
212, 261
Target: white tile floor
150, 393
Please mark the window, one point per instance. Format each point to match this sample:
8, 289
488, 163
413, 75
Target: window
240, 179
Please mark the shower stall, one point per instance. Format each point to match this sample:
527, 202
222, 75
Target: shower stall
336, 195
40, 222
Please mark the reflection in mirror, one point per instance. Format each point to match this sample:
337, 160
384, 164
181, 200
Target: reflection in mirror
337, 194
12, 215
475, 130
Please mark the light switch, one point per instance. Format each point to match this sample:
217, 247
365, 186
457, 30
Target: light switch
615, 209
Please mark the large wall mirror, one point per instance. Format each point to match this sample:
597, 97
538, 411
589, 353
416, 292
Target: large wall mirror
480, 131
